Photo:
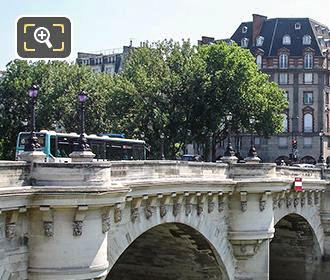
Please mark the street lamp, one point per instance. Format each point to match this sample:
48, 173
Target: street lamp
162, 136
32, 143
321, 158
253, 151
294, 142
83, 145
230, 152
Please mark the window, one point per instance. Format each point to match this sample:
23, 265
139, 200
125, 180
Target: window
328, 124
283, 61
307, 40
327, 98
308, 97
244, 29
283, 78
283, 142
244, 42
308, 61
297, 26
286, 95
259, 61
308, 142
259, 41
257, 140
285, 123
308, 122
286, 40
308, 78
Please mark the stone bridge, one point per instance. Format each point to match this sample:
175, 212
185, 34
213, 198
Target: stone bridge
163, 220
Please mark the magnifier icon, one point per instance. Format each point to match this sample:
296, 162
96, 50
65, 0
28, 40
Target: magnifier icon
41, 35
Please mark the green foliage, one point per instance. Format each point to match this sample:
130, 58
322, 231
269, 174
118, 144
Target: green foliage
173, 88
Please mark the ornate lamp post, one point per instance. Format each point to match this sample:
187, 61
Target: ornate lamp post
32, 143
252, 152
162, 136
230, 152
321, 157
83, 145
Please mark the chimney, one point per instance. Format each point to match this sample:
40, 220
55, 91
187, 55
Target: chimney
258, 21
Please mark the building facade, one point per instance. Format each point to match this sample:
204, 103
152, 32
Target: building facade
294, 52
108, 61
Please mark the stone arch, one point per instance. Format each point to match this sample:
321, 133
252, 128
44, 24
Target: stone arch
214, 232
295, 250
308, 159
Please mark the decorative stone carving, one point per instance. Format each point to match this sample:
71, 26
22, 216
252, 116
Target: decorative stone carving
316, 198
302, 200
243, 249
243, 201
148, 211
288, 201
77, 228
279, 202
10, 230
275, 202
262, 205
210, 205
117, 214
105, 222
48, 228
243, 206
221, 204
295, 202
188, 208
163, 211
200, 208
134, 214
176, 209
309, 199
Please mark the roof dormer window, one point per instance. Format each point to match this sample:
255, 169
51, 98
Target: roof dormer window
260, 41
286, 40
244, 29
244, 42
297, 26
307, 40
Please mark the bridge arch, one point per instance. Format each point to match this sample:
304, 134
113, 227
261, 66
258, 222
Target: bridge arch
185, 240
295, 250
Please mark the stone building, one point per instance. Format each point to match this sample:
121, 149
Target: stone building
109, 61
295, 54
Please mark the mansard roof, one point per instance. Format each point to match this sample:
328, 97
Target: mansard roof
273, 31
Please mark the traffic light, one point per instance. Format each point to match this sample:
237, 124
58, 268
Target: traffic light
294, 144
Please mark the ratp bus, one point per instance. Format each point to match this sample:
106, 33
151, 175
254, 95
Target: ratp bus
58, 146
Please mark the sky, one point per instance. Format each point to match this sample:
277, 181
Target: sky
108, 24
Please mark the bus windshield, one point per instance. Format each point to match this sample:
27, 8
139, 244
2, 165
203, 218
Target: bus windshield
23, 139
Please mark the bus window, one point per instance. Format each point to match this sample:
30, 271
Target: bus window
53, 145
64, 147
127, 152
98, 148
116, 152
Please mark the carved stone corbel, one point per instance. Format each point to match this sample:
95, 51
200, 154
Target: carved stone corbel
303, 199
310, 198
189, 200
244, 249
149, 206
118, 212
244, 200
316, 197
288, 199
177, 204
221, 202
106, 223
135, 205
281, 198
263, 200
210, 202
200, 203
47, 218
11, 220
164, 205
296, 199
79, 219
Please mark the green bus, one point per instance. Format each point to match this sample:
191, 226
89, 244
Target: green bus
58, 146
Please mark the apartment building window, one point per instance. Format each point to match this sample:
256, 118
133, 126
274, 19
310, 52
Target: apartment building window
307, 40
286, 95
286, 40
308, 78
283, 142
283, 61
283, 78
285, 123
327, 98
259, 61
257, 140
308, 98
308, 142
308, 61
308, 122
328, 124
259, 41
244, 29
244, 42
297, 26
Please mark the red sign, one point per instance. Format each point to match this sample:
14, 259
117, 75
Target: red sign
297, 185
